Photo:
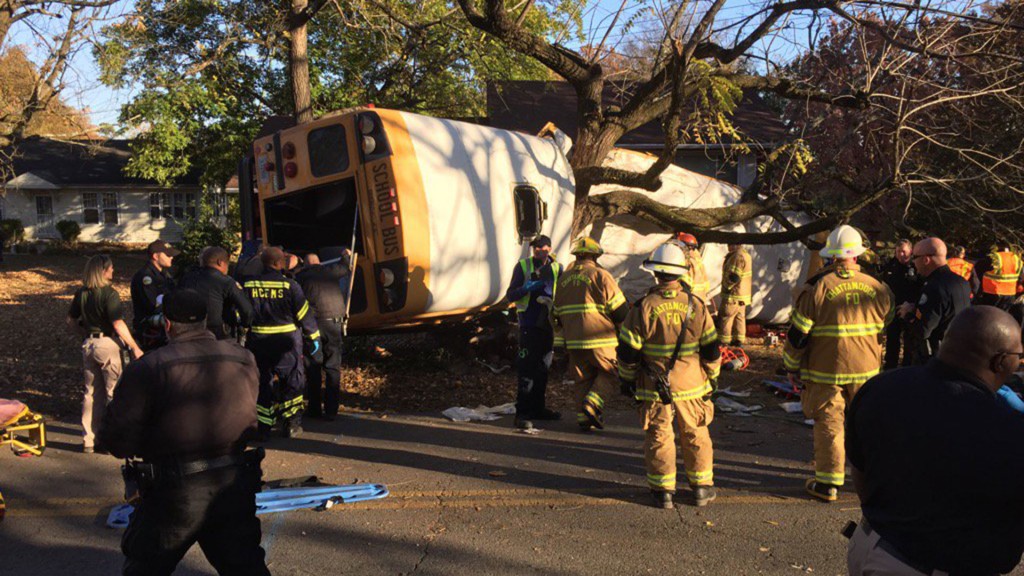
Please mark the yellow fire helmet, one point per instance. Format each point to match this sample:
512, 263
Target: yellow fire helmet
586, 245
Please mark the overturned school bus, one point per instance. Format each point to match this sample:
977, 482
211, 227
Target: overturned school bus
437, 211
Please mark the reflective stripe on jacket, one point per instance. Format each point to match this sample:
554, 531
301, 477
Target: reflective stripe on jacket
697, 278
526, 265
279, 306
836, 328
586, 296
1002, 279
962, 267
648, 337
737, 277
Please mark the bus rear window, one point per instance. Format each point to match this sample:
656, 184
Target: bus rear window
328, 151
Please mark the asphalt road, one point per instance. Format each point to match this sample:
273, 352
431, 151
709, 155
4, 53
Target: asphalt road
469, 498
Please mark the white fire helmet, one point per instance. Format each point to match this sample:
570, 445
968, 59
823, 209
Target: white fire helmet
669, 258
844, 242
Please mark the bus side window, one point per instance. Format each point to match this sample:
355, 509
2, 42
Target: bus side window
531, 212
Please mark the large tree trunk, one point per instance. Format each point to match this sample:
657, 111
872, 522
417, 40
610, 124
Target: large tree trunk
6, 14
298, 61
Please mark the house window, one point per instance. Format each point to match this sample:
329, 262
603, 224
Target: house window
220, 204
44, 211
90, 208
99, 207
110, 215
176, 205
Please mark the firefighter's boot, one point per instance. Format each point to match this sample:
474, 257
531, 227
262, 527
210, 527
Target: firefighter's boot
822, 491
702, 495
662, 499
292, 428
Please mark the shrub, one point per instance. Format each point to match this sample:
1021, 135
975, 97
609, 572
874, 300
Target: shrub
200, 232
13, 231
69, 230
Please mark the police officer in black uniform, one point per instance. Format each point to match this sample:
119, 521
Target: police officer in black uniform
280, 309
322, 284
944, 295
905, 282
148, 287
226, 304
187, 410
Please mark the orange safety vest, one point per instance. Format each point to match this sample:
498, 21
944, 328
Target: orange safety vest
1001, 280
961, 267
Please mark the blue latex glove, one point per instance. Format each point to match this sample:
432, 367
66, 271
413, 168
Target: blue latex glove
1010, 398
316, 347
534, 286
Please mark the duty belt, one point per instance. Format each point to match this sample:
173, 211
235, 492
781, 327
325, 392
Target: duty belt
154, 471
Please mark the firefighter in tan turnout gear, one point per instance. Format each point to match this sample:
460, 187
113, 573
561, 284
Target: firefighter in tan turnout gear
696, 276
587, 306
669, 360
834, 345
736, 290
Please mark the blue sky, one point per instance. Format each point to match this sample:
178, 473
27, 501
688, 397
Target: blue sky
85, 91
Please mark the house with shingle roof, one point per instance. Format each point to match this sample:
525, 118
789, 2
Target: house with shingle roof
84, 181
527, 106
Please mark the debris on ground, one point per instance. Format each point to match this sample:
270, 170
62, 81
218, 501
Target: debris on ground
730, 406
478, 414
791, 407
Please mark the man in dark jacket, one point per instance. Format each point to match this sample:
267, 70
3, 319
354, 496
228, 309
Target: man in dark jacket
187, 410
226, 305
944, 295
904, 281
281, 317
323, 285
148, 287
937, 458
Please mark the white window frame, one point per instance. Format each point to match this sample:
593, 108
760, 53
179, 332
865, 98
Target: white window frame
106, 205
41, 220
110, 204
172, 205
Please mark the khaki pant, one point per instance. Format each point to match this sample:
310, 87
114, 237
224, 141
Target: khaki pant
732, 323
596, 380
101, 359
693, 417
826, 404
865, 557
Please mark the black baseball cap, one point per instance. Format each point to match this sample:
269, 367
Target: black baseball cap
161, 247
185, 306
540, 241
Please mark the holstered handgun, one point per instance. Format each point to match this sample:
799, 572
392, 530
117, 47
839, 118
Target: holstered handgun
139, 477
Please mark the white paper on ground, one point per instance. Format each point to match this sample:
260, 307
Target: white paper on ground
791, 407
478, 414
730, 406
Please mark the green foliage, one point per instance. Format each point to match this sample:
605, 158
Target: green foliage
716, 100
206, 73
206, 230
69, 230
14, 232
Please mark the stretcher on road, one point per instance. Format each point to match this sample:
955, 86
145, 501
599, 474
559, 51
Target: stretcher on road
271, 500
23, 429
